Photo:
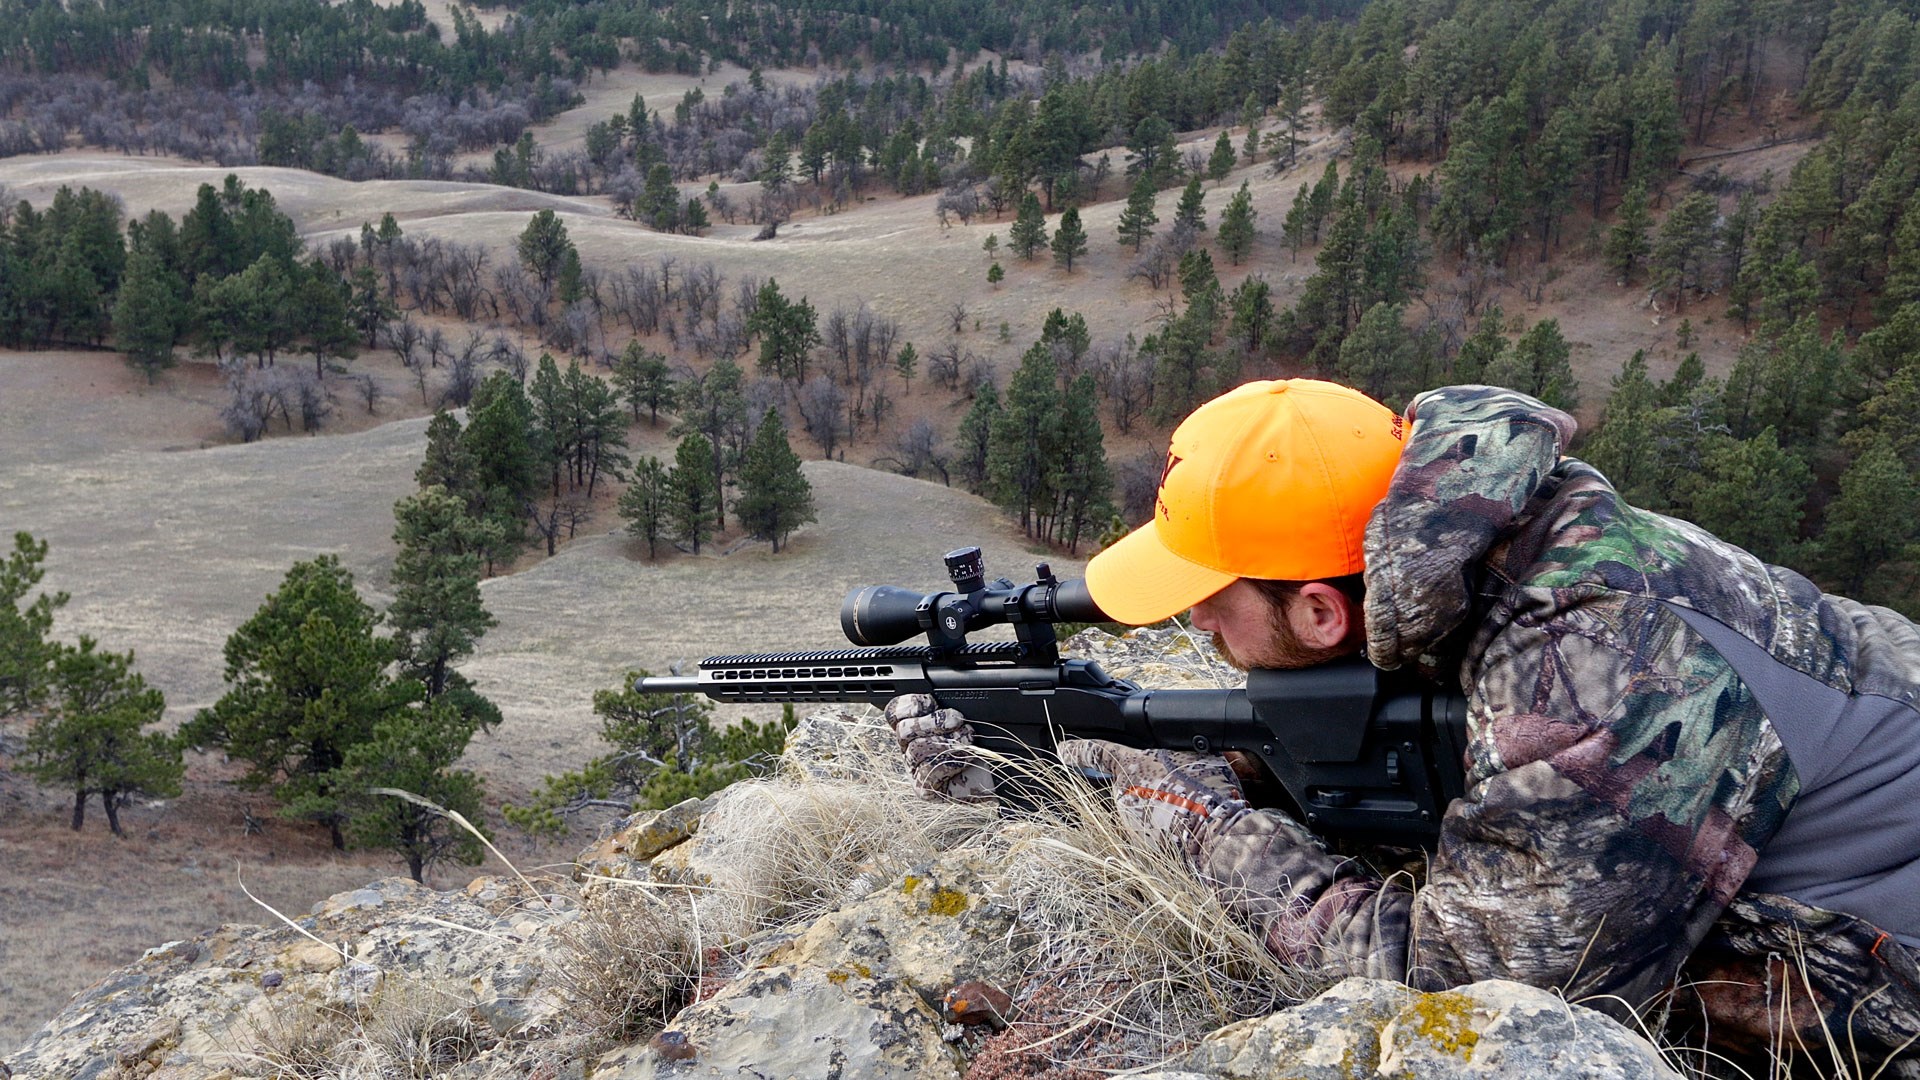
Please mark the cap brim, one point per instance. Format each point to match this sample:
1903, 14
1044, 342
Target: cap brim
1139, 581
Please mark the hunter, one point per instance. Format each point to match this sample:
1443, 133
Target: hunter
1693, 779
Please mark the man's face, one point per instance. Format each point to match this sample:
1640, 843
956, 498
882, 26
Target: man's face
1251, 631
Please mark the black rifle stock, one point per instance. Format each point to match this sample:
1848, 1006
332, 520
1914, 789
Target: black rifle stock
1360, 754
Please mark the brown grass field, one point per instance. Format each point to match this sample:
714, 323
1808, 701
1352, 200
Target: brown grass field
168, 536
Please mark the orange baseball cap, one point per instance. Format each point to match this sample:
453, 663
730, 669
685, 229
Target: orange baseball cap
1269, 480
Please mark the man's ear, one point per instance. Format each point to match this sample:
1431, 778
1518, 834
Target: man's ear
1322, 616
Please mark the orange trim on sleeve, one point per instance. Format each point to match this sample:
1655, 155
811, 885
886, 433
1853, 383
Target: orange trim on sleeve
1170, 798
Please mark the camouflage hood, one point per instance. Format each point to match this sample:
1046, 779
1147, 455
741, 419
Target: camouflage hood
1471, 466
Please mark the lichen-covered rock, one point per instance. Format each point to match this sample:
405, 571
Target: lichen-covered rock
1510, 1030
1336, 1036
1159, 658
855, 995
193, 1009
627, 844
842, 744
1366, 1029
649, 845
789, 1022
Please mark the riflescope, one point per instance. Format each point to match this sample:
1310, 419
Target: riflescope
888, 615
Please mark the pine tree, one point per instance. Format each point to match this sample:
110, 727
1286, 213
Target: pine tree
406, 763
147, 315
1539, 364
1236, 225
660, 203
553, 420
643, 379
569, 283
1483, 348
1137, 218
1378, 357
1298, 225
788, 332
543, 246
1323, 200
91, 740
305, 681
1029, 232
1786, 379
597, 432
715, 406
775, 497
643, 506
1625, 447
1685, 243
995, 275
368, 307
974, 439
1080, 481
1869, 523
503, 442
26, 656
1222, 159
1192, 210
1185, 372
1251, 305
1627, 245
907, 362
437, 615
320, 303
693, 497
694, 220
447, 462
1022, 436
1752, 493
1069, 239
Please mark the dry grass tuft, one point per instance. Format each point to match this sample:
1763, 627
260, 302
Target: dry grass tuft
1130, 958
789, 848
630, 962
406, 1030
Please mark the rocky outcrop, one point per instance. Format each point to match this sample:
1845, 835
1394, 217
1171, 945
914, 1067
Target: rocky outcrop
470, 966
822, 924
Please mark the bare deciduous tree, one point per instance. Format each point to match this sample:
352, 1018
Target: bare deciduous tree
919, 450
1126, 378
822, 406
370, 391
508, 354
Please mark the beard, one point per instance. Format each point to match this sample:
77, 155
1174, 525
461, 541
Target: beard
1283, 649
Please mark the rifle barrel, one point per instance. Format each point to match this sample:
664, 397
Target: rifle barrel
669, 684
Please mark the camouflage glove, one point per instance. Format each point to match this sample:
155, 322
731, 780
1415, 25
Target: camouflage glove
1168, 796
938, 743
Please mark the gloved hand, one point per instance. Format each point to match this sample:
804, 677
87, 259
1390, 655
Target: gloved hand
938, 744
1168, 796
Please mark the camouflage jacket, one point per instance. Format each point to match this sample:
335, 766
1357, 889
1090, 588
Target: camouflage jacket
1620, 782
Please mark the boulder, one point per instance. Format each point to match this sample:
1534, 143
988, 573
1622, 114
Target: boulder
191, 1009
856, 994
1365, 1029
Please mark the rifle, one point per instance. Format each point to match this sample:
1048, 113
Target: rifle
1359, 754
